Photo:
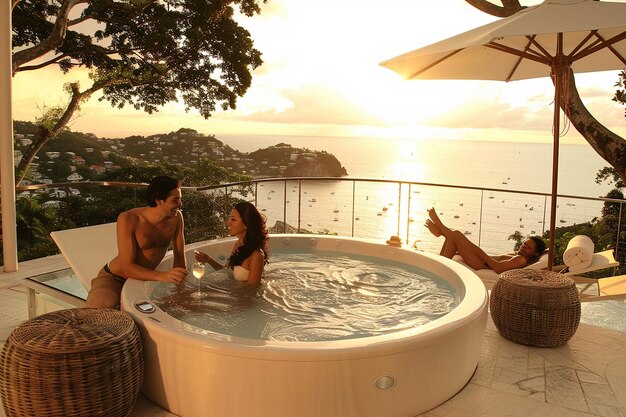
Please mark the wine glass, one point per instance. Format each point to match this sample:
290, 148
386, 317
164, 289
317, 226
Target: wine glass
198, 270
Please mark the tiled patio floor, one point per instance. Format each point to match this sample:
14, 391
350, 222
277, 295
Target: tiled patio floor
585, 377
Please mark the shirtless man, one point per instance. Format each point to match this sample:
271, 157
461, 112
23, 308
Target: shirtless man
143, 236
473, 256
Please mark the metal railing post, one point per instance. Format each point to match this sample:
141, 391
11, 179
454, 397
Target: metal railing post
408, 214
480, 217
619, 228
399, 204
299, 203
353, 200
285, 206
545, 208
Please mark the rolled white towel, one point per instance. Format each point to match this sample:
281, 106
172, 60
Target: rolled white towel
579, 253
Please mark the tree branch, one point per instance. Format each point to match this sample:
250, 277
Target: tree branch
44, 135
80, 20
508, 7
53, 41
43, 64
611, 147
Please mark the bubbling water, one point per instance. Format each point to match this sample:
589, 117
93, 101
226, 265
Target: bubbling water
313, 297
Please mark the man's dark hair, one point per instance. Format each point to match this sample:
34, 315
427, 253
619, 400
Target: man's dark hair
159, 188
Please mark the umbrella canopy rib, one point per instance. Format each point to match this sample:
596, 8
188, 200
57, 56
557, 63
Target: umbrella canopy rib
528, 54
604, 44
437, 62
518, 61
584, 41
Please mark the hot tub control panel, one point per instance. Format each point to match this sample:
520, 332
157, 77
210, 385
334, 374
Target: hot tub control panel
145, 307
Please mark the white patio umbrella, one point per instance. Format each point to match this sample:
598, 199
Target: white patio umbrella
544, 40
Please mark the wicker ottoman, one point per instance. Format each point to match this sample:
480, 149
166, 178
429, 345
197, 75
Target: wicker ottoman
537, 308
77, 362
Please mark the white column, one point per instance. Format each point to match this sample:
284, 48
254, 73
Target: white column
7, 173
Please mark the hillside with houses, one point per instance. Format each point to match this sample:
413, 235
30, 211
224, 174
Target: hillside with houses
76, 156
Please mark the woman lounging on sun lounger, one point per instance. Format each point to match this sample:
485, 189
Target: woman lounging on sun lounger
474, 257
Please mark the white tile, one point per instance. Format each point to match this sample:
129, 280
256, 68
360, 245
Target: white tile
599, 394
616, 377
563, 389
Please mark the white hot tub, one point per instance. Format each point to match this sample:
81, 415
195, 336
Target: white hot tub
194, 372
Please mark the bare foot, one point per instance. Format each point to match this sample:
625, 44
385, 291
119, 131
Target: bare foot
433, 216
434, 229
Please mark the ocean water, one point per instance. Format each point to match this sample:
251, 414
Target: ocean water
522, 166
380, 210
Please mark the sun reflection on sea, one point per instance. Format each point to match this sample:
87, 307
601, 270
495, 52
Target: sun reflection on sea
409, 171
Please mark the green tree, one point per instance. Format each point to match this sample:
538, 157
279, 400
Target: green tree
518, 238
143, 53
34, 223
32, 220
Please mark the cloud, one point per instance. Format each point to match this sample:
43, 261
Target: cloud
310, 104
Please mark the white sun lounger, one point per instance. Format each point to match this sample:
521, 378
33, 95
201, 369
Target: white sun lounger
87, 249
596, 289
600, 260
611, 288
489, 276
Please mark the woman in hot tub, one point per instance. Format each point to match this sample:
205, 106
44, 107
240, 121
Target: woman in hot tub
473, 256
250, 252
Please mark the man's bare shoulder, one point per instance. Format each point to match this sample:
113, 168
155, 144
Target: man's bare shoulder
132, 216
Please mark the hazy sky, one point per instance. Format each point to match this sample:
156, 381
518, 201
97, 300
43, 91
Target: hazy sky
322, 77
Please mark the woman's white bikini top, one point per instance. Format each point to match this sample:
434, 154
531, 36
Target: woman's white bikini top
240, 273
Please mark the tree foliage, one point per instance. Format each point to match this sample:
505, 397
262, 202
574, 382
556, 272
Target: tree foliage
142, 53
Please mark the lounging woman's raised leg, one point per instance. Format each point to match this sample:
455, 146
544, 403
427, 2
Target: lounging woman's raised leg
448, 249
459, 243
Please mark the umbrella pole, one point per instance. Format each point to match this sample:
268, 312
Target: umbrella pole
555, 164
561, 70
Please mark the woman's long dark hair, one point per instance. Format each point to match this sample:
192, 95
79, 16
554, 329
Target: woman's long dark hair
541, 248
256, 236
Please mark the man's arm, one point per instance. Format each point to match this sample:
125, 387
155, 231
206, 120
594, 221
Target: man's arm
179, 242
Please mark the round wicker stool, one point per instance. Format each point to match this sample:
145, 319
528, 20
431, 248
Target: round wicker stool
533, 307
76, 362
